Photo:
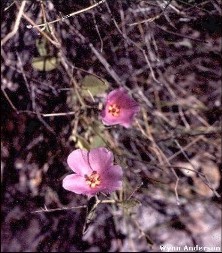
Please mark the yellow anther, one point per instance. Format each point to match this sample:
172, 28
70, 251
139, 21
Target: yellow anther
114, 110
93, 180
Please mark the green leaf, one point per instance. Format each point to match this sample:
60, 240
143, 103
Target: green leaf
41, 47
97, 141
82, 143
93, 86
44, 63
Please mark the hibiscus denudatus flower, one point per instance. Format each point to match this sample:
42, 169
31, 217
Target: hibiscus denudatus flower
94, 172
120, 108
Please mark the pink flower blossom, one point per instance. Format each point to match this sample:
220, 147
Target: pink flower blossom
94, 172
120, 108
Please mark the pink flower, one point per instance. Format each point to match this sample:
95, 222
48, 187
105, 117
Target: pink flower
94, 172
120, 108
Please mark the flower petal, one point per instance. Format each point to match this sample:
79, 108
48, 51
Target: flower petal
112, 174
84, 163
78, 161
100, 159
111, 179
108, 119
115, 95
125, 118
121, 98
75, 183
127, 105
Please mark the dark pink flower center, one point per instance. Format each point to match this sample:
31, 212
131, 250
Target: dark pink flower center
93, 180
114, 109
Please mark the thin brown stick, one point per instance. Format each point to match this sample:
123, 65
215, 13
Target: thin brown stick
107, 66
185, 148
55, 43
32, 112
23, 72
9, 100
154, 18
69, 15
16, 25
130, 41
58, 114
98, 32
46, 210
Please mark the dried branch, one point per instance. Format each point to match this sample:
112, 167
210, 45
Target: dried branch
69, 15
16, 25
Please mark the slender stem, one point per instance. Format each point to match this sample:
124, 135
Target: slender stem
16, 26
72, 14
